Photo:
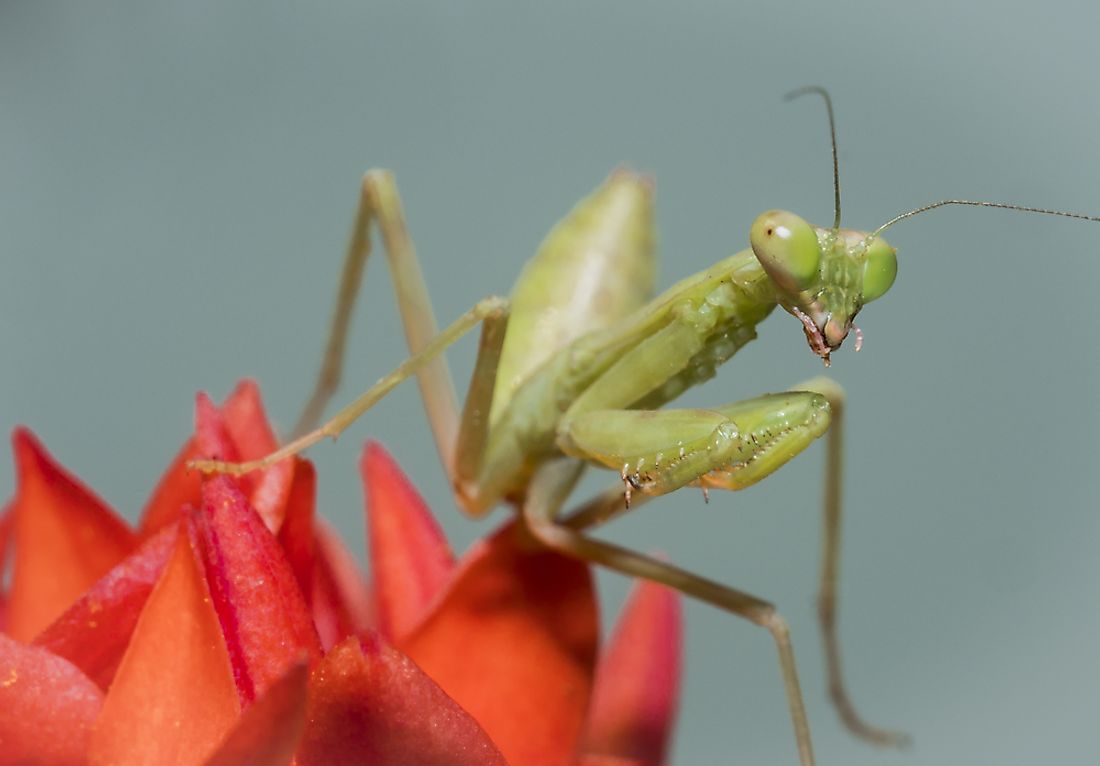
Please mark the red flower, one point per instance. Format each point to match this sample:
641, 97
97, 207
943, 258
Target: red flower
232, 626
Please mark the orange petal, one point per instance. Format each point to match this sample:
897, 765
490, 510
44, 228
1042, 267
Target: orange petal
342, 602
263, 614
173, 698
638, 680
588, 759
66, 538
369, 704
513, 640
48, 707
93, 633
268, 732
410, 558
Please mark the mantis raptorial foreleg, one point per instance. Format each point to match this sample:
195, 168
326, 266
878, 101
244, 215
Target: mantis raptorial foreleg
549, 489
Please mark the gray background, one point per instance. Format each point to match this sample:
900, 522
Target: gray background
176, 186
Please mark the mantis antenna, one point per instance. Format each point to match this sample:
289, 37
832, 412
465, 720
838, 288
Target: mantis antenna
832, 136
978, 203
924, 208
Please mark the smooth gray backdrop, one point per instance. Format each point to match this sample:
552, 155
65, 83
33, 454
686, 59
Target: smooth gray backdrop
177, 181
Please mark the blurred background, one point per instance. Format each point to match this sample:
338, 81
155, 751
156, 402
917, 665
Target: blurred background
177, 183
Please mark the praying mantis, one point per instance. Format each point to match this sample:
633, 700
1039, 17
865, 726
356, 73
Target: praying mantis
576, 366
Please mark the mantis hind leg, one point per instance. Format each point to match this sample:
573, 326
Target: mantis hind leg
460, 442
550, 487
830, 570
380, 204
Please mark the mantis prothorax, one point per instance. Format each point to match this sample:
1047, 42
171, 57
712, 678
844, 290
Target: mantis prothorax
573, 369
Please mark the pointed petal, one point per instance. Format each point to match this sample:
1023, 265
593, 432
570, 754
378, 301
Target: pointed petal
212, 439
66, 538
239, 430
48, 707
267, 733
93, 633
638, 680
177, 488
410, 558
263, 614
341, 599
173, 698
351, 585
7, 525
330, 615
513, 640
247, 423
368, 703
296, 532
216, 434
249, 429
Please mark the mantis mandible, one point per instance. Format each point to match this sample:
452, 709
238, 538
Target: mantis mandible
573, 370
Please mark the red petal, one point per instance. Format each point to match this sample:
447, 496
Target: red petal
513, 640
177, 488
410, 558
638, 682
341, 601
48, 707
93, 632
181, 487
268, 732
7, 526
264, 616
330, 615
354, 592
368, 703
250, 431
296, 532
66, 538
247, 423
212, 438
239, 430
7, 523
173, 698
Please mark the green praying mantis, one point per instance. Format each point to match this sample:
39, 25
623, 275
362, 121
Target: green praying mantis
575, 368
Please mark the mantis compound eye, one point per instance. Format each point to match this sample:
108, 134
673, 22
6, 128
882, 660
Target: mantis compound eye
787, 248
879, 270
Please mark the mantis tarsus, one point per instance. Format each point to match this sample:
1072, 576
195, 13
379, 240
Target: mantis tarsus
573, 369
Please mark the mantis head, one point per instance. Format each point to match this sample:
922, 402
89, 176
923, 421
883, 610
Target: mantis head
823, 277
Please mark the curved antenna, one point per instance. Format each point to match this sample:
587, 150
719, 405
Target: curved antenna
832, 136
979, 203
